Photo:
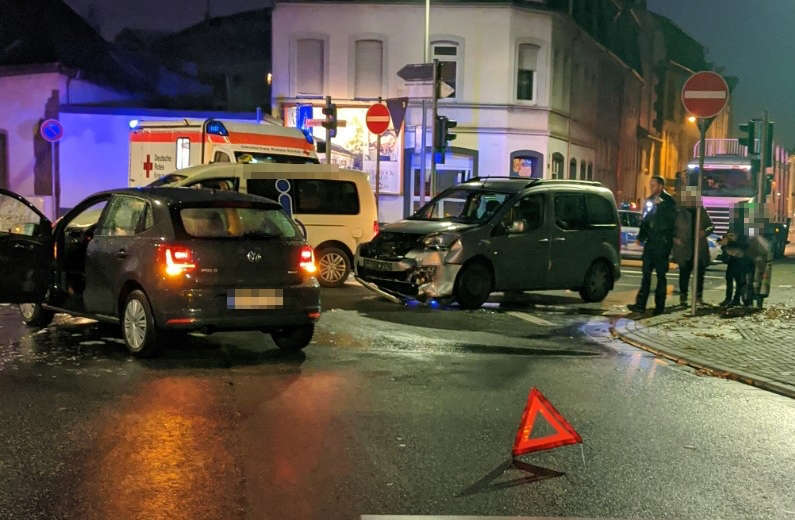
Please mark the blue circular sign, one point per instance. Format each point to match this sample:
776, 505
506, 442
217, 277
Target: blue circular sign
51, 130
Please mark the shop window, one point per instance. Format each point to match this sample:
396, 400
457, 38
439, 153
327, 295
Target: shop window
573, 169
527, 58
369, 68
582, 170
183, 152
309, 69
590, 172
557, 165
526, 163
448, 53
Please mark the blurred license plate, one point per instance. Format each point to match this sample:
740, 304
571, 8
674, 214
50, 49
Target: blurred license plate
254, 299
379, 265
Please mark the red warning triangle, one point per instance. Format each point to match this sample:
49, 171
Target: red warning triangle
536, 403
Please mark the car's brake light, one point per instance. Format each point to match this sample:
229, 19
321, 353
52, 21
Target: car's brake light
307, 260
178, 260
375, 227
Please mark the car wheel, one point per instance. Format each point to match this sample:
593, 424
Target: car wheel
138, 325
34, 315
333, 267
598, 281
473, 285
293, 338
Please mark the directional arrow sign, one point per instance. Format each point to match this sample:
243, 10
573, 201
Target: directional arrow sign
424, 89
417, 72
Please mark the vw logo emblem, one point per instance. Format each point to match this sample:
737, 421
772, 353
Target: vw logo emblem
253, 257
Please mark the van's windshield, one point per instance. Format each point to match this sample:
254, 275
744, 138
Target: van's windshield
235, 222
461, 205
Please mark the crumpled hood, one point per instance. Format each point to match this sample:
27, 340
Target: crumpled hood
424, 227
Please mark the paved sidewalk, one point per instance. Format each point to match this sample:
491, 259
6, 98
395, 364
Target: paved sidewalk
753, 347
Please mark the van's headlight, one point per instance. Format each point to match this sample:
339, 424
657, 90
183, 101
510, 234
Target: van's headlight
441, 240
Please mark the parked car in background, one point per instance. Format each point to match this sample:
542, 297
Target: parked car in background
159, 260
630, 227
337, 206
499, 234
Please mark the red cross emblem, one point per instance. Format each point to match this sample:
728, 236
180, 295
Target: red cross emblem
148, 166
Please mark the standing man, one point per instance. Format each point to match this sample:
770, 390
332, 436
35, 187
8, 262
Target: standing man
656, 235
684, 227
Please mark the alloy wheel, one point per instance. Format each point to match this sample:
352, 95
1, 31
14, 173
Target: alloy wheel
135, 324
332, 267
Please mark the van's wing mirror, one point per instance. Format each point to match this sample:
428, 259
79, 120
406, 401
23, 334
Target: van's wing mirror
303, 228
517, 226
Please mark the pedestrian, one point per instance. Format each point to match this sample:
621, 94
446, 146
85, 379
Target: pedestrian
739, 265
656, 235
682, 252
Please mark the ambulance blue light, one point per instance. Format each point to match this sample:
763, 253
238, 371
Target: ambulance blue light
308, 134
217, 128
133, 124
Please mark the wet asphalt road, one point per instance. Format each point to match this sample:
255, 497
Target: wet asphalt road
389, 411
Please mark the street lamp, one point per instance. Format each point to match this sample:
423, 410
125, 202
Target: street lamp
691, 119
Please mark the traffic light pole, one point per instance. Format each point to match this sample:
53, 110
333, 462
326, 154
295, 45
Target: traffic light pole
761, 175
328, 133
436, 79
703, 125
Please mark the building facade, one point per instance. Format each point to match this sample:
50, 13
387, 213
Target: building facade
534, 94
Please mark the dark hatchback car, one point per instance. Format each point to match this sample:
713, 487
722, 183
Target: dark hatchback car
155, 260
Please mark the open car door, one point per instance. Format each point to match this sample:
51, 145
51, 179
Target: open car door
25, 250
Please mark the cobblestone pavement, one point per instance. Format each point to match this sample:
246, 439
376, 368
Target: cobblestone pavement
754, 346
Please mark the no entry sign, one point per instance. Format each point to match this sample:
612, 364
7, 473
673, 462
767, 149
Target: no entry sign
377, 118
705, 94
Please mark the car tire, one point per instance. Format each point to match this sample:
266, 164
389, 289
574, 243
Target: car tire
473, 285
34, 315
598, 282
138, 325
333, 267
293, 339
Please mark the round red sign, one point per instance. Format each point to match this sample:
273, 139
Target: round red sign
705, 94
377, 118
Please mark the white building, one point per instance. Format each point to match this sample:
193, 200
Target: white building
534, 95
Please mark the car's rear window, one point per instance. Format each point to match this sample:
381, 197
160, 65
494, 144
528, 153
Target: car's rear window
235, 222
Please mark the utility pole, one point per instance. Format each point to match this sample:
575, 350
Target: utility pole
423, 141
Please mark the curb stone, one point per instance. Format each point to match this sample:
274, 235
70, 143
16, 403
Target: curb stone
624, 328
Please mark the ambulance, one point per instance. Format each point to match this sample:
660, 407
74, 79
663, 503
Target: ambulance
159, 149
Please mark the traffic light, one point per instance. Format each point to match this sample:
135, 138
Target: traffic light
769, 145
748, 136
442, 135
330, 111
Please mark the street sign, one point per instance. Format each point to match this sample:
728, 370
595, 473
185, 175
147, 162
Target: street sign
51, 130
424, 89
377, 118
319, 122
705, 94
397, 109
416, 72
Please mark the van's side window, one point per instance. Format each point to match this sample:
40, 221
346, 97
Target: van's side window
570, 211
215, 184
313, 196
601, 212
221, 157
526, 215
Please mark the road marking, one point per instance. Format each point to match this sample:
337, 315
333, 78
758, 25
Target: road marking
785, 287
530, 318
640, 273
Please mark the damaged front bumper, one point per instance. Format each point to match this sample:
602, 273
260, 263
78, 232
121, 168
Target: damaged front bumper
421, 275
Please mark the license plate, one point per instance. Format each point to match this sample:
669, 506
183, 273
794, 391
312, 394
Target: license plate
250, 299
379, 265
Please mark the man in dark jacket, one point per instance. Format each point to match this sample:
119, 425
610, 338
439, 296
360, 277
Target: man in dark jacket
682, 252
656, 235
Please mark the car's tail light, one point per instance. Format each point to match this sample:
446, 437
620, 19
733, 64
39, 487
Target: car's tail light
178, 260
375, 227
307, 260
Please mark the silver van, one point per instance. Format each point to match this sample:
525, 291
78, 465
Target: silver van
498, 234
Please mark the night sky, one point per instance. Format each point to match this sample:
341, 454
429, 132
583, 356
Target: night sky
753, 39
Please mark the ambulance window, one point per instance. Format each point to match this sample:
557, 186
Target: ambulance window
221, 157
183, 152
